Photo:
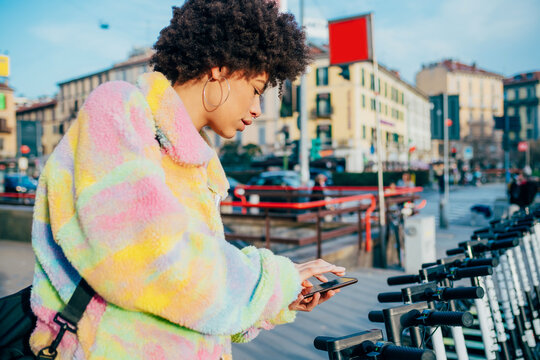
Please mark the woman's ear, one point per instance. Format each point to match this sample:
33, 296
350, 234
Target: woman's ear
216, 73
219, 72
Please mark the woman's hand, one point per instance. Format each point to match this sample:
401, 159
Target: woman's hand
315, 268
308, 304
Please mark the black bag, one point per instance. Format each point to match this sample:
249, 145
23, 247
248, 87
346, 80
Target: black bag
17, 321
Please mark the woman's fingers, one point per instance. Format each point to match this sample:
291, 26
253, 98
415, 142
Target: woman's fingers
317, 267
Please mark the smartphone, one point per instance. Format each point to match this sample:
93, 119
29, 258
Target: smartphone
331, 285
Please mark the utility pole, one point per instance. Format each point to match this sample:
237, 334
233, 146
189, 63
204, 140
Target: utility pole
382, 204
444, 201
304, 159
506, 141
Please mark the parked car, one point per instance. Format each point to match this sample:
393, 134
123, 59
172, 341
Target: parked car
283, 178
22, 184
19, 184
277, 178
233, 184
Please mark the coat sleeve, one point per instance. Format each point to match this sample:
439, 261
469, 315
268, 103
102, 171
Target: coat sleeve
134, 242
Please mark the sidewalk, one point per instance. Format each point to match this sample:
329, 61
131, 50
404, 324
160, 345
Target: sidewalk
344, 314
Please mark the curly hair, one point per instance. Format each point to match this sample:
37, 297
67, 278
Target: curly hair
248, 36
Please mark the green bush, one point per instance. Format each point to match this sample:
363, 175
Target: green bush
370, 178
243, 176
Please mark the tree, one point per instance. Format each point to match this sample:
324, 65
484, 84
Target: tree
232, 153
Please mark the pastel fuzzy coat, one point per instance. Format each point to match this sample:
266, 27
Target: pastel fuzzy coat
129, 200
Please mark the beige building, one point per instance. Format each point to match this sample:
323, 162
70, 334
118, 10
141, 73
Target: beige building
44, 114
480, 99
342, 114
133, 67
8, 125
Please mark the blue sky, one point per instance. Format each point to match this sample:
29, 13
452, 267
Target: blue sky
55, 40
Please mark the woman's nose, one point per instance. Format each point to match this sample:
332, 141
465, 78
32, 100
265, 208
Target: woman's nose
255, 109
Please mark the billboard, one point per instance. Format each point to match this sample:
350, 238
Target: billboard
350, 39
4, 66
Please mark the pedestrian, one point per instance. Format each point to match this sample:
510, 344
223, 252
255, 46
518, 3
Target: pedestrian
318, 190
129, 199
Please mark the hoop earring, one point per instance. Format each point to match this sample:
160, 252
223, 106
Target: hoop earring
221, 101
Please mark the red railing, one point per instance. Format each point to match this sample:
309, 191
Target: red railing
320, 203
18, 195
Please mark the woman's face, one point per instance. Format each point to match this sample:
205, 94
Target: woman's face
242, 106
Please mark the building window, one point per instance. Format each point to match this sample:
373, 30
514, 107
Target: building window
363, 78
262, 104
363, 131
2, 101
363, 101
385, 90
286, 108
1, 144
324, 106
372, 78
262, 135
372, 104
322, 76
530, 92
516, 94
324, 133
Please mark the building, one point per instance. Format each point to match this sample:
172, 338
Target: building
70, 98
480, 99
342, 114
8, 125
522, 98
36, 122
136, 65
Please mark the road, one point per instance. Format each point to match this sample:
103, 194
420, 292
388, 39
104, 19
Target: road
344, 314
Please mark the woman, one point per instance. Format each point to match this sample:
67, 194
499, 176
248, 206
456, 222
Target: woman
129, 200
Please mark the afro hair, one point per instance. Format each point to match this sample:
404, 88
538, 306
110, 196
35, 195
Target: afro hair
246, 36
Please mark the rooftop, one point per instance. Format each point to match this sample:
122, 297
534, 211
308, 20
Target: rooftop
456, 66
522, 78
5, 87
139, 57
36, 106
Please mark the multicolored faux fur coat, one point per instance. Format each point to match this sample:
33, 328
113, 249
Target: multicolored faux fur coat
140, 222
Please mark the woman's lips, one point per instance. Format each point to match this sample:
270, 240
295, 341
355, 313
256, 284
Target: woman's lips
247, 122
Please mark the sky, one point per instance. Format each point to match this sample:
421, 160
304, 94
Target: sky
55, 40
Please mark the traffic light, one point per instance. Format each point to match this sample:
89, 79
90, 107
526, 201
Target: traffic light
437, 114
315, 149
454, 152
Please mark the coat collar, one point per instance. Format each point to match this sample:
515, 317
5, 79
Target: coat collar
176, 132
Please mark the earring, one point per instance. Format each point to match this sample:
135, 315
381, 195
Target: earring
221, 101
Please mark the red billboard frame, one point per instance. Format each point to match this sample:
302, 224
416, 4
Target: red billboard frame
350, 39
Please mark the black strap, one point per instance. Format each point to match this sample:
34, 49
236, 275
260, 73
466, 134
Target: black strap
69, 318
78, 302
